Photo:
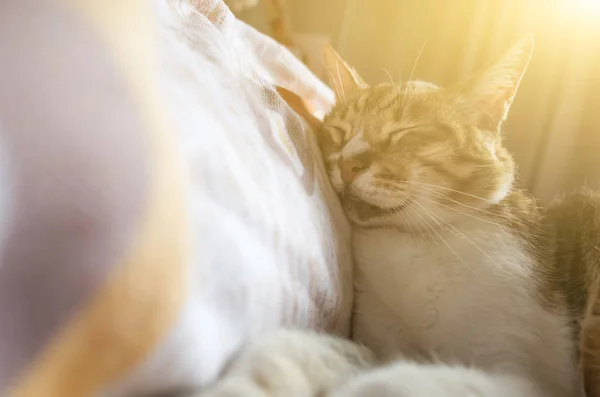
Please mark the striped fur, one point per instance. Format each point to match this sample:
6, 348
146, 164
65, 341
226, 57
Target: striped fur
407, 135
575, 273
394, 140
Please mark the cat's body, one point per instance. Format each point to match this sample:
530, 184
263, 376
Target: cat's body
475, 301
575, 270
460, 287
449, 257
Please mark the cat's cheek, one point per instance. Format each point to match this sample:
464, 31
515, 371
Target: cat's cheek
335, 177
431, 178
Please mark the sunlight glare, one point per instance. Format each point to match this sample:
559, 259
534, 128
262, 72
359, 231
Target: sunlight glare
587, 5
584, 11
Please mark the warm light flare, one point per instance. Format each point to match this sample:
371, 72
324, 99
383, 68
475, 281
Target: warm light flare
585, 6
588, 3
582, 11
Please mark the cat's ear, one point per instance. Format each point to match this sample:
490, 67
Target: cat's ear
487, 96
342, 78
302, 107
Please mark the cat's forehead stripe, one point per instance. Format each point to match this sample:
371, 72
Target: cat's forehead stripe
362, 100
380, 99
388, 101
355, 146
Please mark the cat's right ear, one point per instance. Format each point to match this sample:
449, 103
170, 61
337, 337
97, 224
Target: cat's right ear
488, 96
342, 78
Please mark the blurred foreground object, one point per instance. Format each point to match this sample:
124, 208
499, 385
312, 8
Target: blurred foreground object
159, 202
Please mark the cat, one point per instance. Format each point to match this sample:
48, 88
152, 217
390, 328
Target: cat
449, 257
461, 287
576, 272
590, 342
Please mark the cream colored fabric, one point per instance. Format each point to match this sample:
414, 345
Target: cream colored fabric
270, 241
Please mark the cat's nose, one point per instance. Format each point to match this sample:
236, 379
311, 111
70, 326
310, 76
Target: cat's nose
351, 169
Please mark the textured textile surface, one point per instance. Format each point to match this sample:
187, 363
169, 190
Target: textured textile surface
160, 203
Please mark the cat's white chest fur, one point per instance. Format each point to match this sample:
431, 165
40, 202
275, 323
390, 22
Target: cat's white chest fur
469, 298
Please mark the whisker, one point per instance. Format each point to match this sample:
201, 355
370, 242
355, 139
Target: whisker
398, 211
337, 66
451, 190
421, 224
339, 91
499, 225
428, 228
423, 221
472, 242
417, 222
492, 214
504, 227
414, 68
439, 194
426, 211
410, 229
409, 226
449, 227
400, 77
427, 189
390, 77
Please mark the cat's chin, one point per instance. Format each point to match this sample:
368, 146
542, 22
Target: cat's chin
364, 213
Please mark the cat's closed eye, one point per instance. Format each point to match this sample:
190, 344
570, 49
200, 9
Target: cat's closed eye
421, 134
333, 135
397, 134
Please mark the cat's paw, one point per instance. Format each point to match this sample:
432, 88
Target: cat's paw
292, 364
407, 379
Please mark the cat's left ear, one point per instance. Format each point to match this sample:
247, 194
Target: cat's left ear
487, 97
342, 77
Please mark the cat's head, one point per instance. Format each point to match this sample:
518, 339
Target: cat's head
415, 154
